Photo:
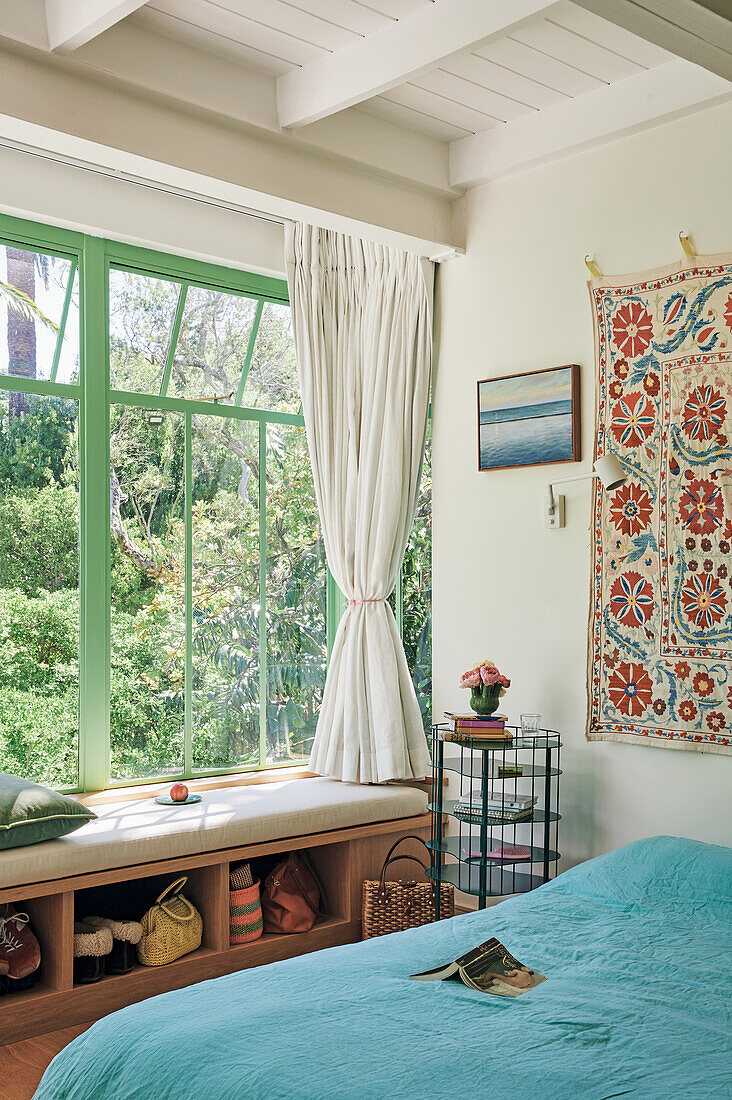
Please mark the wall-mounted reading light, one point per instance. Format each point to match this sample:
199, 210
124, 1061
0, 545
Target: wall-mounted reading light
607, 469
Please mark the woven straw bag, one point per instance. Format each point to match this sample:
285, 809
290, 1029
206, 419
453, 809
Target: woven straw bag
170, 929
396, 906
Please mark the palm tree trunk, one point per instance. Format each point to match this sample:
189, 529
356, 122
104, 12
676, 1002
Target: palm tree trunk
21, 331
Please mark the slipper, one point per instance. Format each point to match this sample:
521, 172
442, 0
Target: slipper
125, 935
91, 947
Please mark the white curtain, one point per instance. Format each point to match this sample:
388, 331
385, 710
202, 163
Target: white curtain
362, 324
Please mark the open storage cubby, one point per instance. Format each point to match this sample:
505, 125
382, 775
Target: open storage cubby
341, 858
52, 919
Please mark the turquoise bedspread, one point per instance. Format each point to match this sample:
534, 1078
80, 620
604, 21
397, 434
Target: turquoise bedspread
636, 945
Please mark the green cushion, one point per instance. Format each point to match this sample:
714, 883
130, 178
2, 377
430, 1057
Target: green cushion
30, 812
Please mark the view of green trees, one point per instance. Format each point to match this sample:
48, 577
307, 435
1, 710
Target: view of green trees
257, 656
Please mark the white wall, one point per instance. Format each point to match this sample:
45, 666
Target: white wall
504, 587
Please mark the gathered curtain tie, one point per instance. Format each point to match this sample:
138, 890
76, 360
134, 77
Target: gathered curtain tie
374, 599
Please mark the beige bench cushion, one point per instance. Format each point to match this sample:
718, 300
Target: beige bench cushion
140, 832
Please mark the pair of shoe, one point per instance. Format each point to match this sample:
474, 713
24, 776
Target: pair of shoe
103, 946
20, 952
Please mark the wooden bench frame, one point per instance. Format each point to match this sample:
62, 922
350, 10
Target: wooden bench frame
343, 858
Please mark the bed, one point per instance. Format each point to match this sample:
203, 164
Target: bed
636, 945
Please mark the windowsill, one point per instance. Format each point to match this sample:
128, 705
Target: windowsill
210, 783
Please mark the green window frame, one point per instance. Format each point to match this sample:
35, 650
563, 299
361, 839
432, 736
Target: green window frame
92, 257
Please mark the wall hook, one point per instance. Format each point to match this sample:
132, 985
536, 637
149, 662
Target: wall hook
592, 267
686, 245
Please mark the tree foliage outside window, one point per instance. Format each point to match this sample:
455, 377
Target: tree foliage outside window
218, 626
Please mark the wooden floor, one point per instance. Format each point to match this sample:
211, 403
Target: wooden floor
22, 1064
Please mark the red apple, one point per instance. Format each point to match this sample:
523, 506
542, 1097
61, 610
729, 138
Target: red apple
179, 792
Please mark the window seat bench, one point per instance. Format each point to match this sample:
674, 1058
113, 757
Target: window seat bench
141, 831
345, 829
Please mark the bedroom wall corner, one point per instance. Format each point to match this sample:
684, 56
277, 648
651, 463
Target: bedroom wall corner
503, 586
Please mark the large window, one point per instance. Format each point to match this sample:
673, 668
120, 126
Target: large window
165, 606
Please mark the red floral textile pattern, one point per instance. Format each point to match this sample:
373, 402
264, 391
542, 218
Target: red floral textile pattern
660, 644
701, 507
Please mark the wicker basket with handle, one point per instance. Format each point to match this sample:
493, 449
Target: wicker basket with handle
170, 929
396, 906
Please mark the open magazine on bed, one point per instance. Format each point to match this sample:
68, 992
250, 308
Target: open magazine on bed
489, 968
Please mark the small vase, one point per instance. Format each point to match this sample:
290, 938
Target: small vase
484, 699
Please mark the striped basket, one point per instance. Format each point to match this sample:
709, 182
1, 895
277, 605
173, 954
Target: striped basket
245, 908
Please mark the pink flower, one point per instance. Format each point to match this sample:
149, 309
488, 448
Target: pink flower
470, 679
504, 681
489, 674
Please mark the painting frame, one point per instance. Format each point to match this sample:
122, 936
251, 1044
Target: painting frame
575, 415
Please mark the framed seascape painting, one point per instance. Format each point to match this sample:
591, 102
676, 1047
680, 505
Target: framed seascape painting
530, 419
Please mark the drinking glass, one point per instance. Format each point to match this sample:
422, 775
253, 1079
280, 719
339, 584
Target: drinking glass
530, 724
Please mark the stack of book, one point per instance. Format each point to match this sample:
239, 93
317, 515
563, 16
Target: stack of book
509, 771
471, 727
499, 807
512, 853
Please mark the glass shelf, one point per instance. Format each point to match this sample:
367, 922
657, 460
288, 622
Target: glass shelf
454, 845
547, 740
456, 764
498, 880
538, 815
475, 764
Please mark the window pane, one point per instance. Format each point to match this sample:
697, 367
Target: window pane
148, 571
417, 594
32, 292
39, 588
225, 517
212, 345
296, 597
141, 314
272, 380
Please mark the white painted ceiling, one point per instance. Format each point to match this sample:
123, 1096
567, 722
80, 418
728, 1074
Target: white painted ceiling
273, 36
559, 57
442, 93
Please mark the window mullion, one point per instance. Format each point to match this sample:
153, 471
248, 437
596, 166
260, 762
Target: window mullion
250, 352
94, 672
62, 322
188, 598
173, 341
44, 389
335, 605
262, 593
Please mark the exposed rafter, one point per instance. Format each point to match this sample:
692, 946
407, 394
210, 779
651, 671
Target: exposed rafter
688, 28
668, 91
142, 59
24, 23
401, 52
71, 23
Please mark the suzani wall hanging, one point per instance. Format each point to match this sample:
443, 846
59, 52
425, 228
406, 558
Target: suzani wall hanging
660, 644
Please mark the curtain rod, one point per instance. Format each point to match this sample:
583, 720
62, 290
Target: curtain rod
139, 181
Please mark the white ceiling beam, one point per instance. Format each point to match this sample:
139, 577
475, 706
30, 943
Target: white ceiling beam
627, 106
142, 59
56, 108
688, 28
24, 22
72, 23
400, 52
148, 61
